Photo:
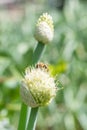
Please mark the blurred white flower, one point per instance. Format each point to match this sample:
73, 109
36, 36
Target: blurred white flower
38, 87
44, 30
5, 124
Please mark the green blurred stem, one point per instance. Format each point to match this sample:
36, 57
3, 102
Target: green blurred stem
23, 114
23, 117
37, 53
32, 119
33, 114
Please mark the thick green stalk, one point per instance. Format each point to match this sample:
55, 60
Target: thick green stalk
23, 117
33, 114
23, 114
32, 119
37, 53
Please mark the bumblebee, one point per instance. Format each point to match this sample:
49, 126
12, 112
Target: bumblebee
42, 66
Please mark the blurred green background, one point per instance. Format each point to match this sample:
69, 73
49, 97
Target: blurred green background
66, 56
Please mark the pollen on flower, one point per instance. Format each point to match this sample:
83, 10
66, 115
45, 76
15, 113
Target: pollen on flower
44, 30
46, 18
40, 87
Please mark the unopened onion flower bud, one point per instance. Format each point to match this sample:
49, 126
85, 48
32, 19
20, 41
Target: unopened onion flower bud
44, 30
38, 87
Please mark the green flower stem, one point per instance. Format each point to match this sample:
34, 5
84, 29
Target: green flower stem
32, 119
23, 114
23, 117
33, 114
37, 53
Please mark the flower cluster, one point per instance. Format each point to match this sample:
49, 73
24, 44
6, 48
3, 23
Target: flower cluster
38, 87
44, 30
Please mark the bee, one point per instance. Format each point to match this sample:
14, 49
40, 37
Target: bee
42, 66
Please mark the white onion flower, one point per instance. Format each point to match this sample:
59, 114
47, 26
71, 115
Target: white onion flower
44, 30
38, 87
